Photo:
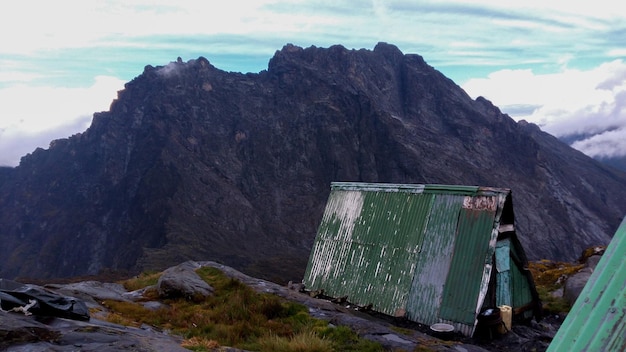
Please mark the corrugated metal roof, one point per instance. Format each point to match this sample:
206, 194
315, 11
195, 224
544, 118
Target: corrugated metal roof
468, 278
346, 241
421, 251
435, 258
412, 188
597, 321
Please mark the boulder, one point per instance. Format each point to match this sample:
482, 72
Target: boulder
575, 283
592, 262
182, 281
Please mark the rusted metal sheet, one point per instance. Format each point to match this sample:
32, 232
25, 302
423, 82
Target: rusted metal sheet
421, 251
597, 321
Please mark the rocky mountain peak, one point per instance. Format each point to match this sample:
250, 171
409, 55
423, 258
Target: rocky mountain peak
192, 162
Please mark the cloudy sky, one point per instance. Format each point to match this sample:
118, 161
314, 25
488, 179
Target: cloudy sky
560, 64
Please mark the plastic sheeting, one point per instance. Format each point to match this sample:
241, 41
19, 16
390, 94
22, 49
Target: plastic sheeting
39, 301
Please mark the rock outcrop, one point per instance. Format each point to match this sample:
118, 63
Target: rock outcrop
182, 281
23, 333
192, 162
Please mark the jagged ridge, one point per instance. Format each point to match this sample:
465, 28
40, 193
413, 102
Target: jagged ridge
192, 162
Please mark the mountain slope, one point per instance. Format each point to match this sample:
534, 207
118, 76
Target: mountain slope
192, 162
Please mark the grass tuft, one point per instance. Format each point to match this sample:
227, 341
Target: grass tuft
306, 341
344, 339
200, 344
141, 281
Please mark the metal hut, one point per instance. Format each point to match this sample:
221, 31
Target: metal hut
597, 321
428, 253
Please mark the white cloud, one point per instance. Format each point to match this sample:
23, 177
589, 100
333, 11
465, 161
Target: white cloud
34, 116
621, 52
568, 103
604, 145
36, 25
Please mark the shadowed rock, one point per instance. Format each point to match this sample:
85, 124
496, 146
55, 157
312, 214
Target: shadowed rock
28, 333
576, 282
182, 281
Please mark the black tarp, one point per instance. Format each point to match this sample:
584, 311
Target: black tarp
14, 294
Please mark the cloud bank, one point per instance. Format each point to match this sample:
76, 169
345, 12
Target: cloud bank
34, 116
587, 107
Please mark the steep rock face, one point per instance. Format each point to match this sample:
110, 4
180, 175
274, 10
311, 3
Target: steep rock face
192, 162
616, 162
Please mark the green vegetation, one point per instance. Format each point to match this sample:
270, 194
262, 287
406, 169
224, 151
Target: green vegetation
141, 281
237, 316
552, 304
550, 276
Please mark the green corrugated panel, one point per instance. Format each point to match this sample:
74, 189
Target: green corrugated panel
503, 267
434, 260
503, 291
390, 231
369, 252
521, 291
332, 244
467, 274
597, 321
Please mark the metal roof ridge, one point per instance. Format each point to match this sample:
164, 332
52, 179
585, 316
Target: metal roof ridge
416, 188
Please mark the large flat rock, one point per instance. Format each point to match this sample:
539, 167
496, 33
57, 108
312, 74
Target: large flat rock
19, 332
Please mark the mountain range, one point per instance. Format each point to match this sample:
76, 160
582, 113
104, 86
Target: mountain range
192, 162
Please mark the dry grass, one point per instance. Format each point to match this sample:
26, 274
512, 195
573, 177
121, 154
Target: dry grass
200, 344
301, 342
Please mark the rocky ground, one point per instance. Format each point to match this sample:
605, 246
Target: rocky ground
20, 332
